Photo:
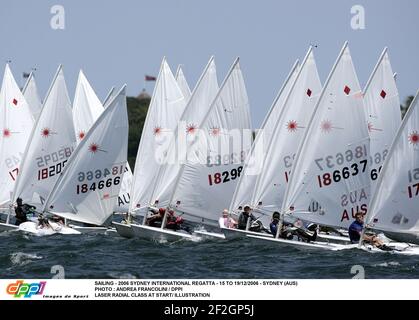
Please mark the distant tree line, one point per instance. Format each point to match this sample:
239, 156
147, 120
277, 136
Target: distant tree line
406, 105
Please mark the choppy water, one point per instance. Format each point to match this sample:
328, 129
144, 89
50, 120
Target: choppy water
104, 256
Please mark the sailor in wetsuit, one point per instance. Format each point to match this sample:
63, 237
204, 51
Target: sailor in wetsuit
20, 213
355, 232
304, 232
22, 210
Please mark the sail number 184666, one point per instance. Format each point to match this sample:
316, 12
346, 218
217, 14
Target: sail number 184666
99, 185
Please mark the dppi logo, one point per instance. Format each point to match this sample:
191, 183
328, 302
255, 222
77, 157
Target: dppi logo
27, 290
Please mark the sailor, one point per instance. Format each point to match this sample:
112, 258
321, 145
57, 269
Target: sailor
176, 223
304, 232
273, 226
244, 217
156, 219
355, 232
20, 213
43, 222
58, 219
173, 222
225, 221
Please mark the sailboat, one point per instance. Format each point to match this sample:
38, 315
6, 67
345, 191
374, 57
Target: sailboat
194, 109
329, 179
265, 194
16, 123
394, 207
182, 83
86, 109
30, 92
166, 107
256, 158
89, 184
215, 153
50, 145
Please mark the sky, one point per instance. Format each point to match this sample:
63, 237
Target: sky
117, 42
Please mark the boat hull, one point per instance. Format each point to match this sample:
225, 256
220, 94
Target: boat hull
209, 235
8, 227
237, 233
32, 228
315, 245
403, 237
159, 234
89, 230
124, 230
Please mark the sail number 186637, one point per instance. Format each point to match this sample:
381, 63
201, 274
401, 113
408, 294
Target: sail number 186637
327, 178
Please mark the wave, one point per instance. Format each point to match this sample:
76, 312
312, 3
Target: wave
22, 259
117, 275
387, 264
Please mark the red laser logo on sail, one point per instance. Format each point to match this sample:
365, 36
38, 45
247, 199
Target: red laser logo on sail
191, 129
94, 147
46, 132
414, 138
6, 133
292, 126
215, 131
81, 135
157, 131
326, 126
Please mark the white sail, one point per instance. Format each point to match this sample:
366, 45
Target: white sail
255, 160
166, 107
269, 189
395, 203
193, 115
30, 92
16, 123
51, 143
330, 177
383, 113
182, 83
87, 189
206, 182
86, 107
86, 110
